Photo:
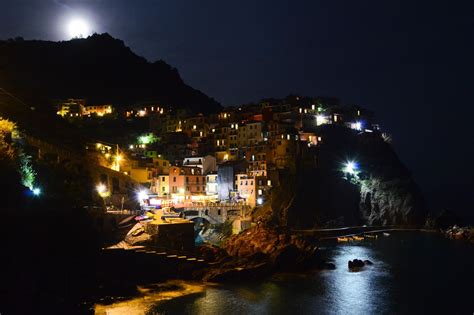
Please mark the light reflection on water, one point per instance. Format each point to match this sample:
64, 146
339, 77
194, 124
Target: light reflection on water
337, 291
405, 275
356, 292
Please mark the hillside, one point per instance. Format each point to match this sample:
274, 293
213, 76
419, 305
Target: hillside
384, 192
99, 68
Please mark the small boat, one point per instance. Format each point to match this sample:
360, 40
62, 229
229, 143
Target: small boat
386, 234
358, 238
370, 236
343, 239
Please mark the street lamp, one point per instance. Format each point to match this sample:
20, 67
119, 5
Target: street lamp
142, 195
36, 191
101, 189
351, 167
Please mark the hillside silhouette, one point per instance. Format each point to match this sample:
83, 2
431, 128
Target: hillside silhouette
100, 69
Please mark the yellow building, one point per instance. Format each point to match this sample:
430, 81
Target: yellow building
284, 150
143, 175
71, 107
161, 165
247, 189
161, 185
249, 133
99, 110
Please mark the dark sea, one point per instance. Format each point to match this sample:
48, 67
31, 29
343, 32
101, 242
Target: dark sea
413, 273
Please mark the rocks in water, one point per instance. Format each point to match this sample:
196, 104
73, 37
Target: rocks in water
356, 264
257, 252
460, 233
326, 266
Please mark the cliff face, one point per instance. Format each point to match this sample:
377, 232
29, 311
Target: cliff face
383, 193
391, 202
100, 69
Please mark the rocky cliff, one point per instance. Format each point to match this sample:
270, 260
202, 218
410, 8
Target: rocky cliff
382, 193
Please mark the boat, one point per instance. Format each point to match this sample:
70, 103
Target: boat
371, 236
386, 234
358, 238
343, 239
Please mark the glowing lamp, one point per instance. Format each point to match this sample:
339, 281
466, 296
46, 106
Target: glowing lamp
142, 195
259, 201
101, 188
36, 191
351, 167
321, 120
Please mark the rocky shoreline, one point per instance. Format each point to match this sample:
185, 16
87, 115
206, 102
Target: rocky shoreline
460, 233
257, 253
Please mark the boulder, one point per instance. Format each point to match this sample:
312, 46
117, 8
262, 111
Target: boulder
355, 264
326, 266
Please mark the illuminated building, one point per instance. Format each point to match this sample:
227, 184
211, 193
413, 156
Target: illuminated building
195, 181
249, 133
211, 184
99, 110
206, 163
226, 177
247, 189
161, 185
71, 107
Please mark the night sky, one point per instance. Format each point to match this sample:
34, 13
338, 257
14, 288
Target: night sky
410, 61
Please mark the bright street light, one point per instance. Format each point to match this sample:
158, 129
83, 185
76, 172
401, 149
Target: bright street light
101, 188
351, 167
36, 191
142, 195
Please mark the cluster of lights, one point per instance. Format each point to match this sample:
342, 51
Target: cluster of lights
357, 125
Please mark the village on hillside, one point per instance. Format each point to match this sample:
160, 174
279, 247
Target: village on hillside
189, 160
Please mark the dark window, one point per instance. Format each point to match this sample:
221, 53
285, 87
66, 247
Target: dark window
104, 179
115, 184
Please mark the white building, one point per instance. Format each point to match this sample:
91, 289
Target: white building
211, 184
207, 163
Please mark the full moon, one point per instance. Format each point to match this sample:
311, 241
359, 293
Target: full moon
78, 28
